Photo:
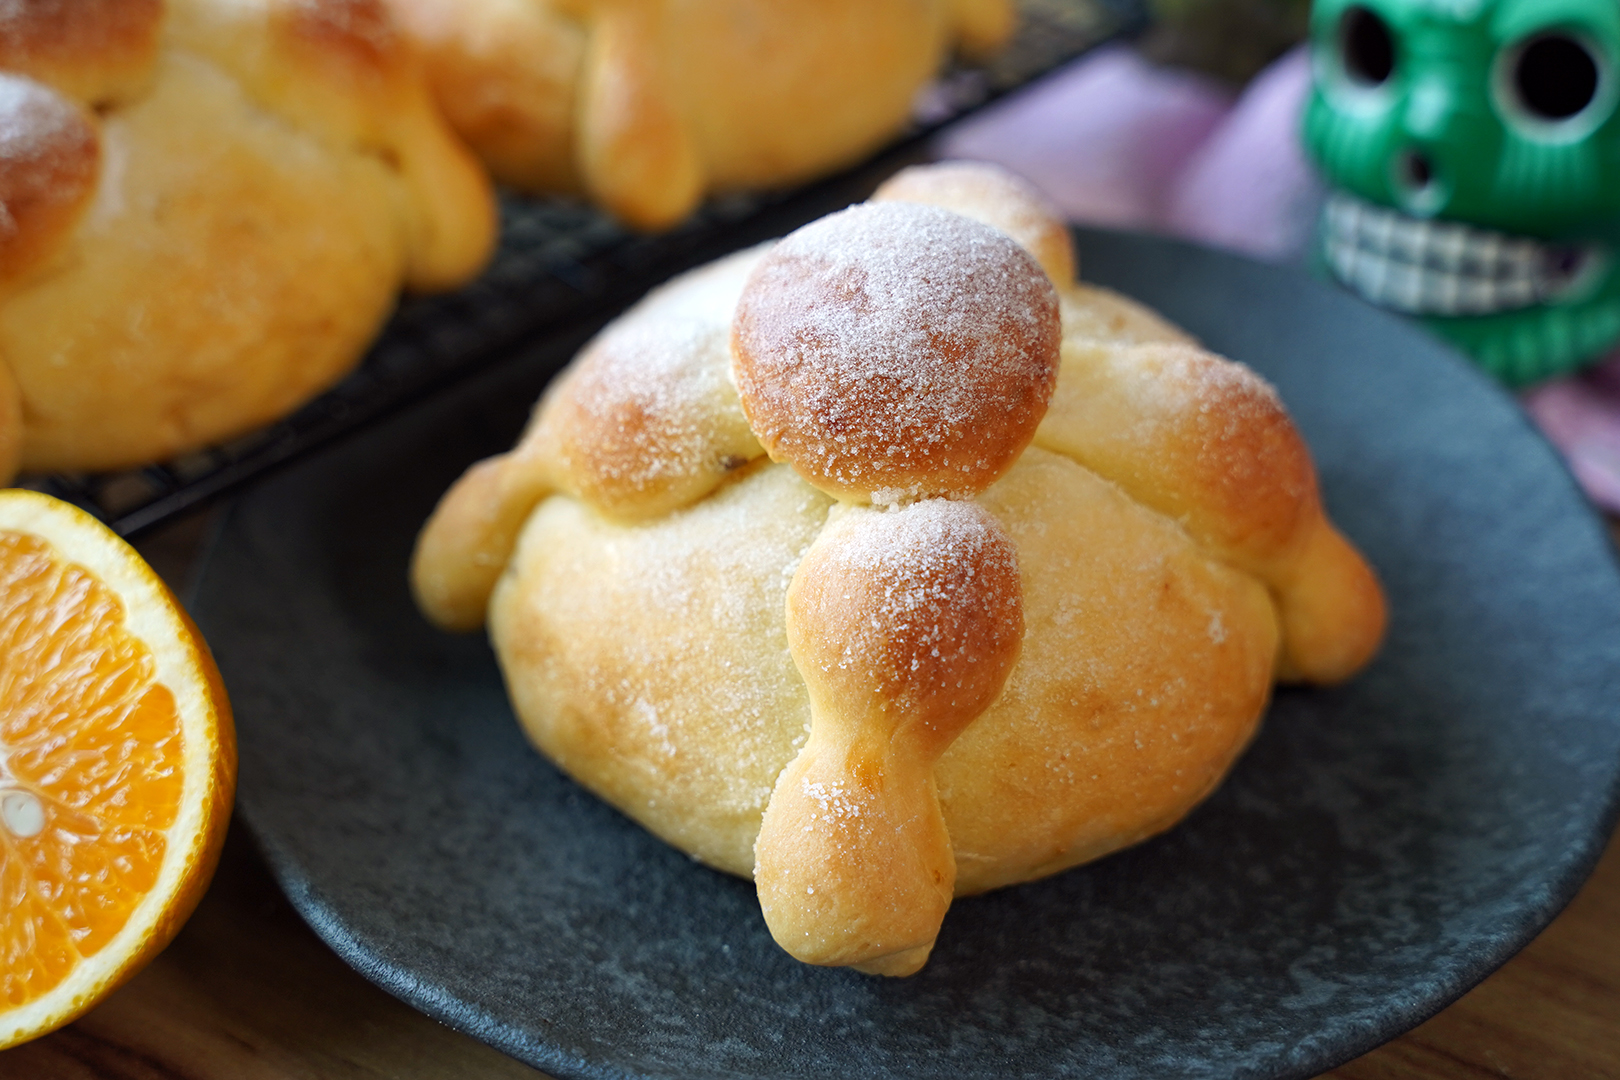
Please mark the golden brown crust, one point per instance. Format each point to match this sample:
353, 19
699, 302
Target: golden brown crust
340, 71
1008, 202
647, 420
356, 49
677, 697
895, 350
295, 253
50, 155
1145, 669
636, 154
991, 194
1198, 438
98, 52
11, 425
648, 105
682, 673
913, 614
777, 91
730, 94
206, 254
355, 37
1332, 607
644, 421
904, 625
505, 73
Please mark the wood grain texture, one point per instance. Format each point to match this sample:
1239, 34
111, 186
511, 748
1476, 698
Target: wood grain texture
247, 992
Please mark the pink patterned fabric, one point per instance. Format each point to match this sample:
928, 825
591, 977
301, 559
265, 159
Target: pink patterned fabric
1114, 140
1581, 415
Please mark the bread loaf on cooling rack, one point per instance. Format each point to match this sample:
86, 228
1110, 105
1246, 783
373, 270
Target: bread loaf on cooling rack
647, 106
207, 208
887, 564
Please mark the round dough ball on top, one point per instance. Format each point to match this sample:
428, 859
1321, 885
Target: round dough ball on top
896, 351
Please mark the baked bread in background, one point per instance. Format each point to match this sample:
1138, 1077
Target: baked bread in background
645, 107
887, 564
207, 209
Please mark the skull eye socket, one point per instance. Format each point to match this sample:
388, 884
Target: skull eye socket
1555, 78
1366, 47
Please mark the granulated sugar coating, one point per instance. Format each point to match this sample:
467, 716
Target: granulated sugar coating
917, 608
990, 194
48, 159
648, 420
895, 351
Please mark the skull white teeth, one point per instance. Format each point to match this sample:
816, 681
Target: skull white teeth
1424, 267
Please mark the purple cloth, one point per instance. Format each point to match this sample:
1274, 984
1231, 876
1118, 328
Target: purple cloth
1249, 187
1114, 140
1105, 139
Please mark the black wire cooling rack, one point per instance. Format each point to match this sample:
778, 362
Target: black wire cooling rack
560, 267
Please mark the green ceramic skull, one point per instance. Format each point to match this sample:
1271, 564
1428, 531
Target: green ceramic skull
1475, 152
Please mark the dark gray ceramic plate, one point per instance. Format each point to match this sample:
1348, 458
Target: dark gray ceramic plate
1380, 849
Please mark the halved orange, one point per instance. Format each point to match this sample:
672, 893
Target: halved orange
117, 764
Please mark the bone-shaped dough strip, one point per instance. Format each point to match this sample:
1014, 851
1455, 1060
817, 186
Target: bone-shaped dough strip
342, 71
904, 625
645, 421
465, 545
1207, 442
635, 152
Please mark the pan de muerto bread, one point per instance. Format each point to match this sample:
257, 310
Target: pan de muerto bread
207, 208
647, 106
877, 566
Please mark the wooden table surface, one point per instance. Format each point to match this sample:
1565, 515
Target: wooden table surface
247, 992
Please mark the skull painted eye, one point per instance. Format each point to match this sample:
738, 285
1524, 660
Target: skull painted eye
1555, 77
1555, 86
1366, 47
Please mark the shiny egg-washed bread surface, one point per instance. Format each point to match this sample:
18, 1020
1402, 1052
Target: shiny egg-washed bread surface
234, 194
647, 106
685, 645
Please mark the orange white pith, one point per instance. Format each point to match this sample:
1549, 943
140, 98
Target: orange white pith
117, 764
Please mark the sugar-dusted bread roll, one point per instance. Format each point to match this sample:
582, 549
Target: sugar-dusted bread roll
882, 567
207, 208
645, 106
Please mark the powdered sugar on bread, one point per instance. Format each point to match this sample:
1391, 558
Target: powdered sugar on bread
895, 351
